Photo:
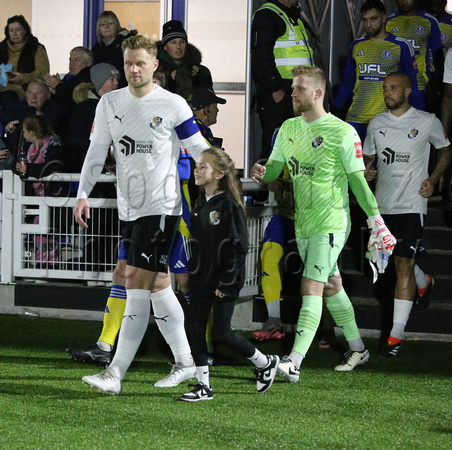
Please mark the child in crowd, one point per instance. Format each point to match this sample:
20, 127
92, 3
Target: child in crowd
217, 270
45, 154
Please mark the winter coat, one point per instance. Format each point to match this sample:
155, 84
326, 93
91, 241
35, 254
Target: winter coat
185, 83
218, 247
112, 53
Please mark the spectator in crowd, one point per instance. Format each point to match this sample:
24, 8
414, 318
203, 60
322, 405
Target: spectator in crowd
28, 58
446, 119
400, 140
369, 60
37, 101
45, 154
181, 62
279, 42
204, 105
437, 8
80, 60
422, 31
104, 78
6, 159
110, 36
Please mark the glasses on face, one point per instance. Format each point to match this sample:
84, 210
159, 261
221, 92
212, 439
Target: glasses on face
106, 24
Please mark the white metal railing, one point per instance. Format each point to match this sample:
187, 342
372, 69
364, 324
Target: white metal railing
40, 239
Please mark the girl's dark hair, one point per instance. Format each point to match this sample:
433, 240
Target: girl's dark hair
222, 162
20, 19
38, 125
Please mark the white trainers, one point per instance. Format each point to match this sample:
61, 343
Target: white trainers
288, 370
178, 374
104, 382
352, 359
267, 374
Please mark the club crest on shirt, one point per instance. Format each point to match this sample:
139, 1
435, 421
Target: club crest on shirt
155, 122
419, 29
386, 55
317, 142
413, 134
214, 217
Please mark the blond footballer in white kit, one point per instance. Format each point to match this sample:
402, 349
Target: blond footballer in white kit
147, 126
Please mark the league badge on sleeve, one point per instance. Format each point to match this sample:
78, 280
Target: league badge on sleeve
358, 150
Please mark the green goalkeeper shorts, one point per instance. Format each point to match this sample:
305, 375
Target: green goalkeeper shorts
320, 253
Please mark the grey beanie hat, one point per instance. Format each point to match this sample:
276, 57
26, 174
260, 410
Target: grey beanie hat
100, 73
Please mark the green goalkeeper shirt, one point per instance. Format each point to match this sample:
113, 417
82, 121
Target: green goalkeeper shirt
320, 155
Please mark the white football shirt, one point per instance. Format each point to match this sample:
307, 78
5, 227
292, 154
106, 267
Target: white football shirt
147, 133
402, 146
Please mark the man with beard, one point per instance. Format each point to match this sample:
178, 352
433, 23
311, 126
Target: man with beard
324, 157
422, 31
370, 59
400, 140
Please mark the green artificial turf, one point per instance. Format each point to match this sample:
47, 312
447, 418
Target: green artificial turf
405, 402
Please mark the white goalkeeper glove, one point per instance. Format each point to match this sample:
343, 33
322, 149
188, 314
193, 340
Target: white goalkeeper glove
381, 245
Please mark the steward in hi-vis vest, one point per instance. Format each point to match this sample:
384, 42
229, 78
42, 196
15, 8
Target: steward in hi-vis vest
279, 43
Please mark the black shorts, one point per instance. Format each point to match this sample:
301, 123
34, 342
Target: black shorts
407, 229
149, 240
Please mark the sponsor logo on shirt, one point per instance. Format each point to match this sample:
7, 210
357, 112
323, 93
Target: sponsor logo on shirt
391, 157
371, 68
214, 217
317, 142
413, 134
298, 168
358, 150
155, 122
130, 146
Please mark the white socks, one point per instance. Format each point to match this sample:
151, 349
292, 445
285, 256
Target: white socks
296, 358
421, 278
169, 316
259, 359
202, 373
402, 309
133, 327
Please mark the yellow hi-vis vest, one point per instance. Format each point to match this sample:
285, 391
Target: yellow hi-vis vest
292, 48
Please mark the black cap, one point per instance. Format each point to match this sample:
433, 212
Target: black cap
172, 30
203, 97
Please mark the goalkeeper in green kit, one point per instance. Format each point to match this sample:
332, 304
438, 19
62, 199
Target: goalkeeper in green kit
324, 156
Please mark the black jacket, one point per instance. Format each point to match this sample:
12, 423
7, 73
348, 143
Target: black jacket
219, 246
112, 53
185, 83
26, 62
64, 90
266, 28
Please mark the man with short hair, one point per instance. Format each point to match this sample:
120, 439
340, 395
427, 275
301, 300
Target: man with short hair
80, 60
370, 59
400, 140
147, 125
422, 31
204, 105
324, 157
